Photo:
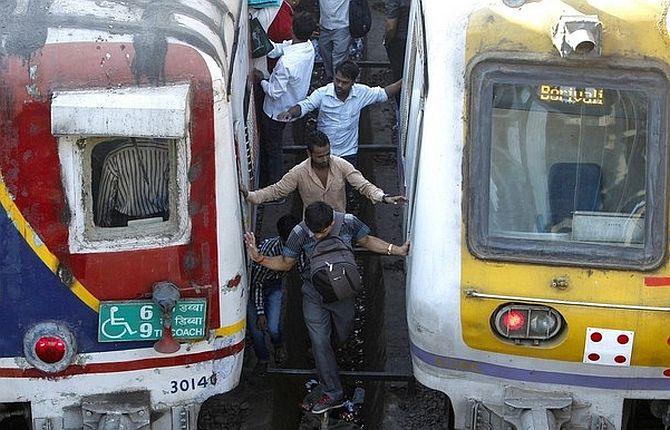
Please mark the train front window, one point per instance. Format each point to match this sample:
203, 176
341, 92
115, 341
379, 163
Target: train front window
130, 181
572, 171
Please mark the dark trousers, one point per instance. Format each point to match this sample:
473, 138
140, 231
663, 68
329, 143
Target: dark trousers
322, 319
272, 159
395, 50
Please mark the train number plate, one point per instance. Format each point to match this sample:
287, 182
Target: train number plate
141, 320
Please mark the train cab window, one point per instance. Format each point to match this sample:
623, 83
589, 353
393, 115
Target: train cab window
569, 168
130, 181
125, 190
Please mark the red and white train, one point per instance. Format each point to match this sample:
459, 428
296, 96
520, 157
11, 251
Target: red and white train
125, 128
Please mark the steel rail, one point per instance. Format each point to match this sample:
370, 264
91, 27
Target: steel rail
373, 147
346, 374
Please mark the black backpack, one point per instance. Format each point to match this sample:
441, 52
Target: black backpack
360, 18
333, 269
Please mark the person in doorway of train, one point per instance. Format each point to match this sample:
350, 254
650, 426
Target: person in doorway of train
266, 296
340, 104
320, 317
322, 176
288, 83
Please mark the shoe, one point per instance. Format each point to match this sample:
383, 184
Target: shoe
280, 355
326, 403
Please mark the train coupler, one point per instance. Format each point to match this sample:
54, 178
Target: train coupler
529, 410
115, 416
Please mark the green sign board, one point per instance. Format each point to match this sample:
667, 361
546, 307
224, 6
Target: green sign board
141, 320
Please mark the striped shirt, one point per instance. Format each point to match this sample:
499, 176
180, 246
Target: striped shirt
262, 277
134, 181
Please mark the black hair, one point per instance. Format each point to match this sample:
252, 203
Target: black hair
348, 69
303, 26
320, 140
318, 215
285, 224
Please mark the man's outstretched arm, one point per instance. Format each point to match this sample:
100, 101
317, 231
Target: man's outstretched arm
279, 263
379, 246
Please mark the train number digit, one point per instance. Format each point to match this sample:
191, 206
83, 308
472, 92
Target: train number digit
191, 384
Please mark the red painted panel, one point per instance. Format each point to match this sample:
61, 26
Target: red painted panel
30, 165
148, 363
657, 281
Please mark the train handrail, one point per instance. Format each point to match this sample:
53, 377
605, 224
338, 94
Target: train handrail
471, 293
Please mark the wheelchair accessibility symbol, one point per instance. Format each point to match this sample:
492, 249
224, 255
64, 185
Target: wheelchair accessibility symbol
116, 327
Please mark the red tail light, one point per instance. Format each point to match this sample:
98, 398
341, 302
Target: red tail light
527, 323
50, 346
514, 320
50, 349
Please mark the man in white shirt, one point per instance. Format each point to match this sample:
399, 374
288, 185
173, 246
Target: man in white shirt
340, 104
288, 83
334, 36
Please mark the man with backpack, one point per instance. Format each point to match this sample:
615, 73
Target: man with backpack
330, 282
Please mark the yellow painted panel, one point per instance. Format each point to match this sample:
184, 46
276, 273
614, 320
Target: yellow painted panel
632, 29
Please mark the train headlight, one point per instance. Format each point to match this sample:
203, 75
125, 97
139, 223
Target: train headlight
578, 36
527, 323
49, 346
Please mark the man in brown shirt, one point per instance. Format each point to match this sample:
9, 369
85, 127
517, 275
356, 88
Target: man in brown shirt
321, 177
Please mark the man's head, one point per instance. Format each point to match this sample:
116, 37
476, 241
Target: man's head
345, 76
303, 26
284, 226
318, 150
319, 219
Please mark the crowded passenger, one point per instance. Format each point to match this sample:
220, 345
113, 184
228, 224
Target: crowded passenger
264, 312
334, 36
340, 104
322, 318
395, 34
322, 176
288, 84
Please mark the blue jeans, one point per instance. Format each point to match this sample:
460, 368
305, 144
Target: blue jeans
272, 303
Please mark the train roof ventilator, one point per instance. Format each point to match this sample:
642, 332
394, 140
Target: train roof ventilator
578, 36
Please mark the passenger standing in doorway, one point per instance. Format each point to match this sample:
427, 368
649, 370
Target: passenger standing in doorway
321, 177
281, 28
322, 318
395, 36
334, 36
266, 297
288, 83
340, 104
